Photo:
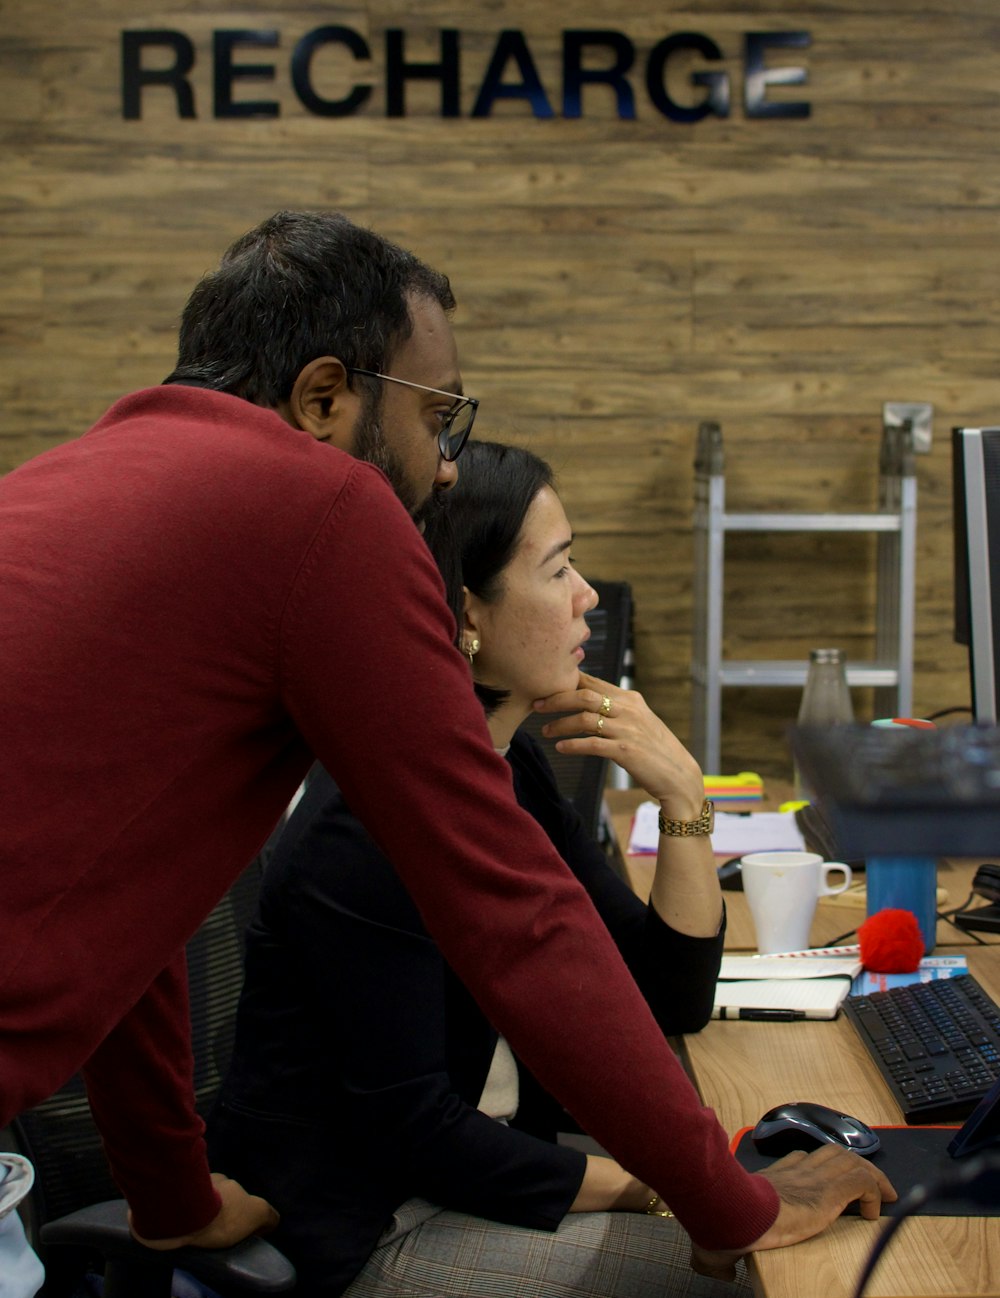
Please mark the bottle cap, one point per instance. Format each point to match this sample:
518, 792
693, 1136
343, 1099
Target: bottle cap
918, 723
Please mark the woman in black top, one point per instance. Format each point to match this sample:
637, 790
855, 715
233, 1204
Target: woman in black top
369, 1099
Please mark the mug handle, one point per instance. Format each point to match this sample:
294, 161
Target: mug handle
825, 889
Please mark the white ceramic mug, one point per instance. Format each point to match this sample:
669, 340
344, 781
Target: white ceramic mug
782, 889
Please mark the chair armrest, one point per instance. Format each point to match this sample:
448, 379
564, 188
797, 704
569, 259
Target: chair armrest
252, 1266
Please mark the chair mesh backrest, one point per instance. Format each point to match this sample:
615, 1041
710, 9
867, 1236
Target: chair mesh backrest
61, 1140
215, 977
59, 1135
581, 779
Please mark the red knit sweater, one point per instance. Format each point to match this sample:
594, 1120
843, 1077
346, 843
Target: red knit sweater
196, 598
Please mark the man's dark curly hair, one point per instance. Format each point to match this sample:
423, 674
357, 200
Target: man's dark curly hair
299, 286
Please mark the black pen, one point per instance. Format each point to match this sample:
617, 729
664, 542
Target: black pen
773, 1016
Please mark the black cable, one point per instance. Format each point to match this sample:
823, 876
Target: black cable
947, 712
976, 1179
946, 915
917, 1197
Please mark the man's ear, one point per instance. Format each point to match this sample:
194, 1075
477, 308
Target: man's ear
322, 403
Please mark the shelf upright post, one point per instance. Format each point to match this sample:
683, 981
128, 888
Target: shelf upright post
896, 576
709, 538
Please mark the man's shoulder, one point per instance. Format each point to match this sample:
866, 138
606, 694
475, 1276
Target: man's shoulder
217, 445
185, 421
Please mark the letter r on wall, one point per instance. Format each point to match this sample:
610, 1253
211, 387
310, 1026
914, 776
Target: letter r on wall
135, 76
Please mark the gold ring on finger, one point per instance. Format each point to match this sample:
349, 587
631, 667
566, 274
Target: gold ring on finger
606, 705
600, 725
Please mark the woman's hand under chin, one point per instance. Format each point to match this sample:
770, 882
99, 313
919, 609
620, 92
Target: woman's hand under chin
607, 721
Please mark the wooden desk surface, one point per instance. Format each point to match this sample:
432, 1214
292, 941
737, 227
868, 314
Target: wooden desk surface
825, 1062
743, 1069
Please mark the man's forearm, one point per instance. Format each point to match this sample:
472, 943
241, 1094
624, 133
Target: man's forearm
140, 1086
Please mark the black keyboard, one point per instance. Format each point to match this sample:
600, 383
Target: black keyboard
937, 1045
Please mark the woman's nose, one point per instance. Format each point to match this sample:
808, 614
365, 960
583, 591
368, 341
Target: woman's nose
588, 598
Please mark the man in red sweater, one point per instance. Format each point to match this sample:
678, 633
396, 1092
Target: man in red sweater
202, 594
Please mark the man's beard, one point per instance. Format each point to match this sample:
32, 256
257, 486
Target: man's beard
371, 446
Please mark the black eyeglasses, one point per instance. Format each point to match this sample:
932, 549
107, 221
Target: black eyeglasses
456, 421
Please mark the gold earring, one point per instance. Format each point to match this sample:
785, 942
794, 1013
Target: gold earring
471, 649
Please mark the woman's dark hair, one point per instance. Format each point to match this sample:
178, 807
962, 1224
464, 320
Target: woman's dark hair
298, 286
475, 534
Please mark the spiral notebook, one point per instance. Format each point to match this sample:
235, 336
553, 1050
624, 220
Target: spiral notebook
783, 988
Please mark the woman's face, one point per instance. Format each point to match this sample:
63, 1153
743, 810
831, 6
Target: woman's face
532, 636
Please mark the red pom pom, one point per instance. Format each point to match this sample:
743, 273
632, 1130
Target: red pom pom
891, 942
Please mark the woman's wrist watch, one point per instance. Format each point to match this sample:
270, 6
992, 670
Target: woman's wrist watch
690, 828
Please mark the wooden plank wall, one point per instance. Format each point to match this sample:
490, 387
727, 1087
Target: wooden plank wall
619, 281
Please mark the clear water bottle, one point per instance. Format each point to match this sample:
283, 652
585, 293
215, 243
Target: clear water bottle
826, 699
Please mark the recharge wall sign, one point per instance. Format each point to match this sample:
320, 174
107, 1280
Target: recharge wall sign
159, 61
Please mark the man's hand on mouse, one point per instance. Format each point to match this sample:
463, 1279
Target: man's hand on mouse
814, 1189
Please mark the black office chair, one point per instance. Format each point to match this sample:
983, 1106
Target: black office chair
581, 779
76, 1218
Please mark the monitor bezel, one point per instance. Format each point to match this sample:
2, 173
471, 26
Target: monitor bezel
981, 1129
974, 619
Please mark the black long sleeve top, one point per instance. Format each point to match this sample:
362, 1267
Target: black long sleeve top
360, 1057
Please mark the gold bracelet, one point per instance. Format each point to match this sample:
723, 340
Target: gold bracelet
653, 1211
690, 828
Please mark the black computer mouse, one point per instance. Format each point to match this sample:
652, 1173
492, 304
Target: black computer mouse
805, 1125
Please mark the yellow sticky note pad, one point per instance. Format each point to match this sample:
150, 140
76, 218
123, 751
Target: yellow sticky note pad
747, 786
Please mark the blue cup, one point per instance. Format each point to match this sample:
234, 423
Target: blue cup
905, 883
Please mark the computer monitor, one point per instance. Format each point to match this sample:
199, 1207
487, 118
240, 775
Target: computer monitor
976, 487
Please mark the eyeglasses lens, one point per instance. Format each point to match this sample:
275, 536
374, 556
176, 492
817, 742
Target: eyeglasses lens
456, 431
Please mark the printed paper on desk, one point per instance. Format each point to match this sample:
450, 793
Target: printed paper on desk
644, 837
761, 831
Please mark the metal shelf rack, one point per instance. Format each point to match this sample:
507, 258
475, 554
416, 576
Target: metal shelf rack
895, 524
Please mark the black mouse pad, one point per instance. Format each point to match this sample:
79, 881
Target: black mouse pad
909, 1156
